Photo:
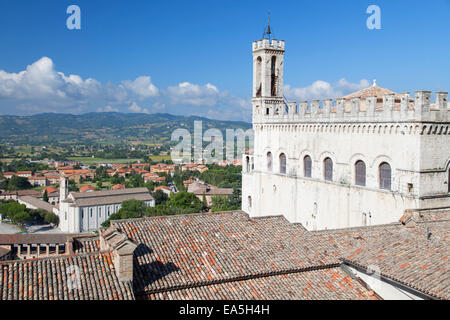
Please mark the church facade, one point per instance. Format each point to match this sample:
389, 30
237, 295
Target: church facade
85, 211
360, 160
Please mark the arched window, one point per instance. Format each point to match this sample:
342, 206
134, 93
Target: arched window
249, 202
448, 180
269, 161
360, 173
258, 83
282, 163
307, 167
328, 169
247, 162
385, 176
273, 85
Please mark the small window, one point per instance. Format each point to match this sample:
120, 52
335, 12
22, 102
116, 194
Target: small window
307, 166
328, 169
385, 176
269, 161
247, 161
249, 202
410, 188
360, 173
282, 163
448, 181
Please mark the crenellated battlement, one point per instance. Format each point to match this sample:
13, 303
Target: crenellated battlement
391, 107
267, 44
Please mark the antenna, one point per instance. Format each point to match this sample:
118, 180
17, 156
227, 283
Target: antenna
267, 30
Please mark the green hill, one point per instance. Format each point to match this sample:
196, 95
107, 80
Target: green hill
101, 127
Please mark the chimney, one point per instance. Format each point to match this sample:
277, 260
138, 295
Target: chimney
410, 218
122, 250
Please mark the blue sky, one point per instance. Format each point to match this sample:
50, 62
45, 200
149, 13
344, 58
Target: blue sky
194, 57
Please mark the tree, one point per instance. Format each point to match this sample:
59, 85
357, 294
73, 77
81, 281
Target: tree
130, 209
204, 202
10, 209
220, 203
72, 186
51, 218
160, 197
45, 196
22, 217
17, 183
135, 181
185, 200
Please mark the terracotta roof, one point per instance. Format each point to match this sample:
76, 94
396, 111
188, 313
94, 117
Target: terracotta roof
86, 244
48, 278
205, 253
50, 189
403, 254
38, 203
4, 252
20, 193
163, 188
327, 284
231, 256
110, 196
32, 238
200, 188
373, 91
179, 251
87, 188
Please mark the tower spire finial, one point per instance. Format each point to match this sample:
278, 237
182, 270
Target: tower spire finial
267, 31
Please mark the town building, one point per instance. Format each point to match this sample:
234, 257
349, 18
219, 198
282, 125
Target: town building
86, 211
37, 181
14, 195
87, 188
35, 203
118, 187
201, 189
164, 189
361, 160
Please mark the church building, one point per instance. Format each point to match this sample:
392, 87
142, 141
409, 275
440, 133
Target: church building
359, 160
86, 211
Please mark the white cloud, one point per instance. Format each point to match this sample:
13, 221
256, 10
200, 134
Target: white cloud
44, 88
108, 109
41, 88
159, 106
193, 94
135, 108
322, 90
142, 87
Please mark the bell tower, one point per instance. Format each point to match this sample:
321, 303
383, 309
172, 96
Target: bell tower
63, 187
268, 55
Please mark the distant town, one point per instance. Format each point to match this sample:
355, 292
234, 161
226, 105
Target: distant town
30, 190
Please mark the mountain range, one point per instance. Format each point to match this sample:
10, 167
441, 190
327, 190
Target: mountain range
102, 127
